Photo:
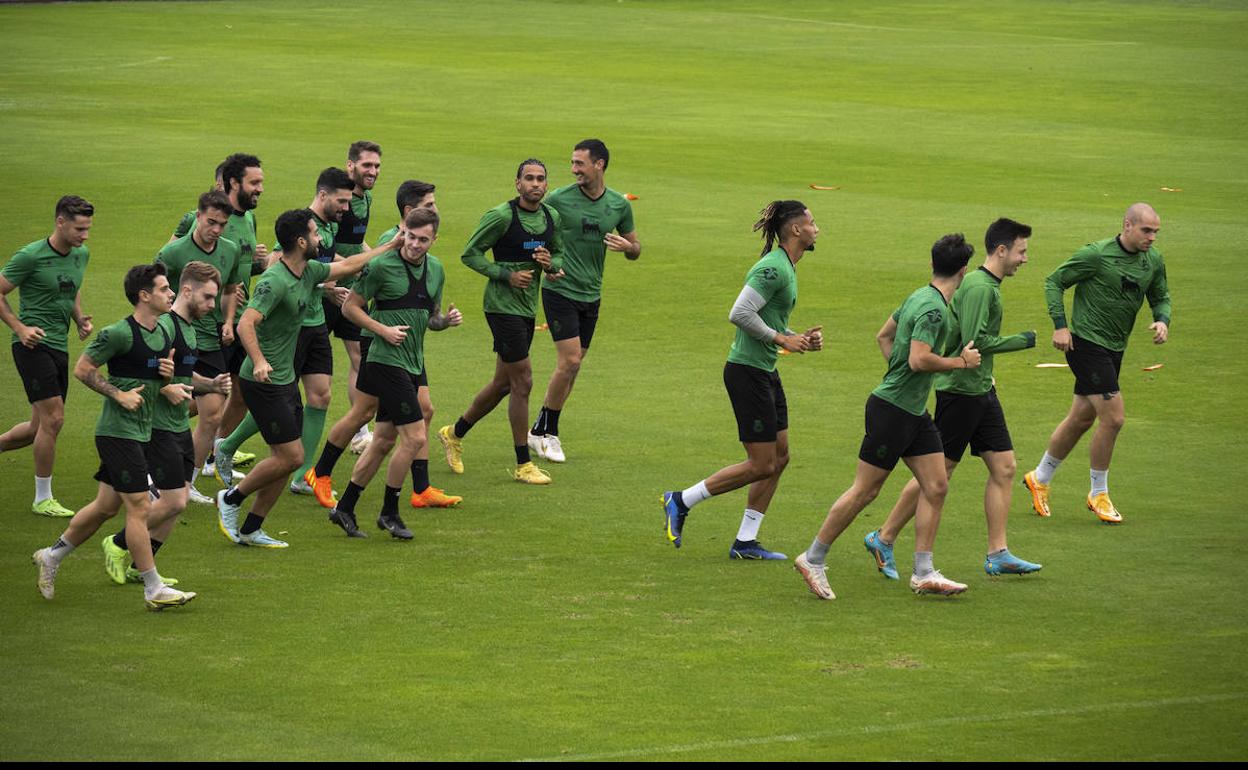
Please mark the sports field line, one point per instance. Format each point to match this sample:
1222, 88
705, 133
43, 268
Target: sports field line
971, 719
851, 25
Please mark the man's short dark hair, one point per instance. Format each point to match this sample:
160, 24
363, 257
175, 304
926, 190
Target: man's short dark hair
950, 254
362, 146
597, 151
332, 179
215, 199
529, 162
1004, 232
411, 193
72, 206
421, 217
291, 226
142, 278
235, 168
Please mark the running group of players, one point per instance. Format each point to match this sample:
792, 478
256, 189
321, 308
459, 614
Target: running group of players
945, 333
201, 339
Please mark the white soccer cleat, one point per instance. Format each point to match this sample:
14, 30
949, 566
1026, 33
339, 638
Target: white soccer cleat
167, 597
815, 575
199, 497
360, 441
537, 446
553, 449
47, 571
935, 583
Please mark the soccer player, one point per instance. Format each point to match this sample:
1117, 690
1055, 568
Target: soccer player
1112, 278
899, 427
412, 194
524, 236
363, 166
761, 315
214, 332
170, 454
139, 355
270, 330
50, 274
405, 287
967, 409
593, 219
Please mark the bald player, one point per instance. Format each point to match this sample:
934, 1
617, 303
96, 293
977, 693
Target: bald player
1112, 278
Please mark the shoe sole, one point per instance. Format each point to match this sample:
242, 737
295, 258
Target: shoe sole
998, 572
741, 556
1041, 509
921, 591
1101, 516
156, 606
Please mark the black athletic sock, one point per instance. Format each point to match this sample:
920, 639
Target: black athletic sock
522, 454
420, 475
328, 459
390, 502
252, 524
539, 425
552, 421
211, 459
235, 496
349, 498
156, 544
462, 427
119, 540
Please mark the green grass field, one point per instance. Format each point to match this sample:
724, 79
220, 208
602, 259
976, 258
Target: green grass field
557, 622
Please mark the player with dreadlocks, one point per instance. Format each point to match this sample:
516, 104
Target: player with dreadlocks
761, 315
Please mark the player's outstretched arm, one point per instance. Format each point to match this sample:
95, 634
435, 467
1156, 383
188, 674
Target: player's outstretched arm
354, 264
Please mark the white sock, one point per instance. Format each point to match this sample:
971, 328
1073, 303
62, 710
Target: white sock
60, 549
194, 477
695, 494
1047, 467
750, 523
1100, 481
43, 489
923, 564
151, 582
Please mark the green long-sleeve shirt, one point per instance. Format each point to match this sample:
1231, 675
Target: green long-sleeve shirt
500, 296
1111, 284
976, 310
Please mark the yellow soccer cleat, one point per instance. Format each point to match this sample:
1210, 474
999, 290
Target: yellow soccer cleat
454, 447
530, 474
51, 507
1039, 494
433, 497
1104, 509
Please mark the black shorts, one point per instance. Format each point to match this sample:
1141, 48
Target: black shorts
337, 323
44, 371
277, 409
313, 354
758, 402
123, 464
894, 433
235, 355
974, 420
569, 318
1095, 368
211, 363
170, 458
513, 335
396, 392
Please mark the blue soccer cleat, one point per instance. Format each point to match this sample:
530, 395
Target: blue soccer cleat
675, 517
882, 553
752, 549
1009, 564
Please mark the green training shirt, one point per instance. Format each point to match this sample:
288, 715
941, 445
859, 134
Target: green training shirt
923, 317
583, 224
1110, 284
500, 297
314, 313
775, 278
389, 278
48, 282
975, 311
240, 228
114, 343
166, 416
224, 257
282, 298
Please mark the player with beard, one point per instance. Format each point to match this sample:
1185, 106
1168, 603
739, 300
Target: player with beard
139, 355
761, 315
270, 330
170, 452
523, 234
593, 219
50, 273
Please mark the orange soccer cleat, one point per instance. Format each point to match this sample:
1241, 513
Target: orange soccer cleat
433, 497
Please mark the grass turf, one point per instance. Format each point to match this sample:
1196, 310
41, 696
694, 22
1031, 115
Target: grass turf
557, 622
